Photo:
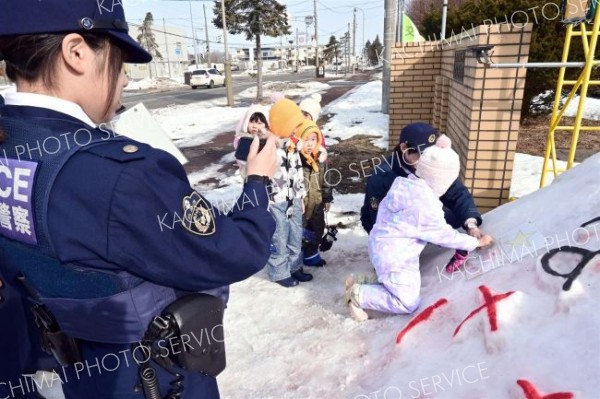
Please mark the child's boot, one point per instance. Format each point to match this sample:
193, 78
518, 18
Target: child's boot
356, 311
288, 282
458, 259
360, 278
301, 276
314, 260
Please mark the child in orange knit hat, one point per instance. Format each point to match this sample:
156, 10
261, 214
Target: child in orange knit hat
318, 193
287, 192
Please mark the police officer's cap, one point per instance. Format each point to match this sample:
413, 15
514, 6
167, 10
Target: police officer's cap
419, 135
26, 17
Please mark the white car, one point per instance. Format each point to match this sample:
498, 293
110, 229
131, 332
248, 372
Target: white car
207, 77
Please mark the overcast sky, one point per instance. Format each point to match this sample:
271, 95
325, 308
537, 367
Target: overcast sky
334, 16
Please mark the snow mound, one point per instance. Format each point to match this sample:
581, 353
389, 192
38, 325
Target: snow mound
519, 321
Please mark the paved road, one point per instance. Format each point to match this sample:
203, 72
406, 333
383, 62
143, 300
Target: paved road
185, 95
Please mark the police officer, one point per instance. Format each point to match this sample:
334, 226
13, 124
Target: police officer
459, 207
102, 231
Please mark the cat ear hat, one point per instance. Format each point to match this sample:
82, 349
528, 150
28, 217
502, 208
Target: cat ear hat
312, 106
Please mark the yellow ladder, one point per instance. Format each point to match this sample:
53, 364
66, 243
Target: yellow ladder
590, 42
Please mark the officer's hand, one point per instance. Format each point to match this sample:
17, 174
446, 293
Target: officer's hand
263, 163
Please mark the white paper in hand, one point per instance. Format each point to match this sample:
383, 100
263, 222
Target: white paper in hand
138, 124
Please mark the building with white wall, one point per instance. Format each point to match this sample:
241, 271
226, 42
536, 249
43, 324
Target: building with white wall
278, 57
173, 48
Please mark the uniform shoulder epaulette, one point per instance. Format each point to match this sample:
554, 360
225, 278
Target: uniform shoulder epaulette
119, 150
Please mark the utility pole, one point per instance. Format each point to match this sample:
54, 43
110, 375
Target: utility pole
297, 50
363, 52
354, 41
399, 21
207, 42
308, 20
193, 34
444, 17
306, 47
228, 81
316, 40
388, 40
336, 58
167, 47
348, 54
280, 53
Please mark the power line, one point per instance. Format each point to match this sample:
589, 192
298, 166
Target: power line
203, 41
344, 6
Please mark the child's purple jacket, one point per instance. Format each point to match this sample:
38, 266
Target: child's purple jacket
409, 217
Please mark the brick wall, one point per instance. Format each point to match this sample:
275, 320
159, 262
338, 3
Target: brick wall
478, 107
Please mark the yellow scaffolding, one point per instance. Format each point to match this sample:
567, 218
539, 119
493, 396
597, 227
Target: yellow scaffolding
590, 42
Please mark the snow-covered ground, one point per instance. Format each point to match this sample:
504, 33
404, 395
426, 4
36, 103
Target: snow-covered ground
591, 109
358, 112
198, 123
291, 89
147, 83
301, 342
542, 103
527, 173
271, 71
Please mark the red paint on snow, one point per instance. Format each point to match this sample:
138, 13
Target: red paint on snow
490, 305
421, 317
532, 393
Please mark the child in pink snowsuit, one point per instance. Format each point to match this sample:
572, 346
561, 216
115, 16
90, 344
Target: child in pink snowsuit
410, 216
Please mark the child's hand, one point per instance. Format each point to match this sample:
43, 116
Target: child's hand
263, 163
475, 232
327, 206
485, 240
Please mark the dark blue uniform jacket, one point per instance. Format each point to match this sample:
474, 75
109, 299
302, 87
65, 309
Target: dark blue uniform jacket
122, 211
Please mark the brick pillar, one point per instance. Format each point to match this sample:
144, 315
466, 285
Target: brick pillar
415, 67
478, 107
485, 114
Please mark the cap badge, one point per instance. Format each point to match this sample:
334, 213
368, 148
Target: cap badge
86, 23
431, 138
374, 201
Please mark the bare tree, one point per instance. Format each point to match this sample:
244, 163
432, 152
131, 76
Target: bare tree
255, 19
147, 39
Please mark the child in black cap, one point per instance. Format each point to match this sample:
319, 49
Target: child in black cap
459, 207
